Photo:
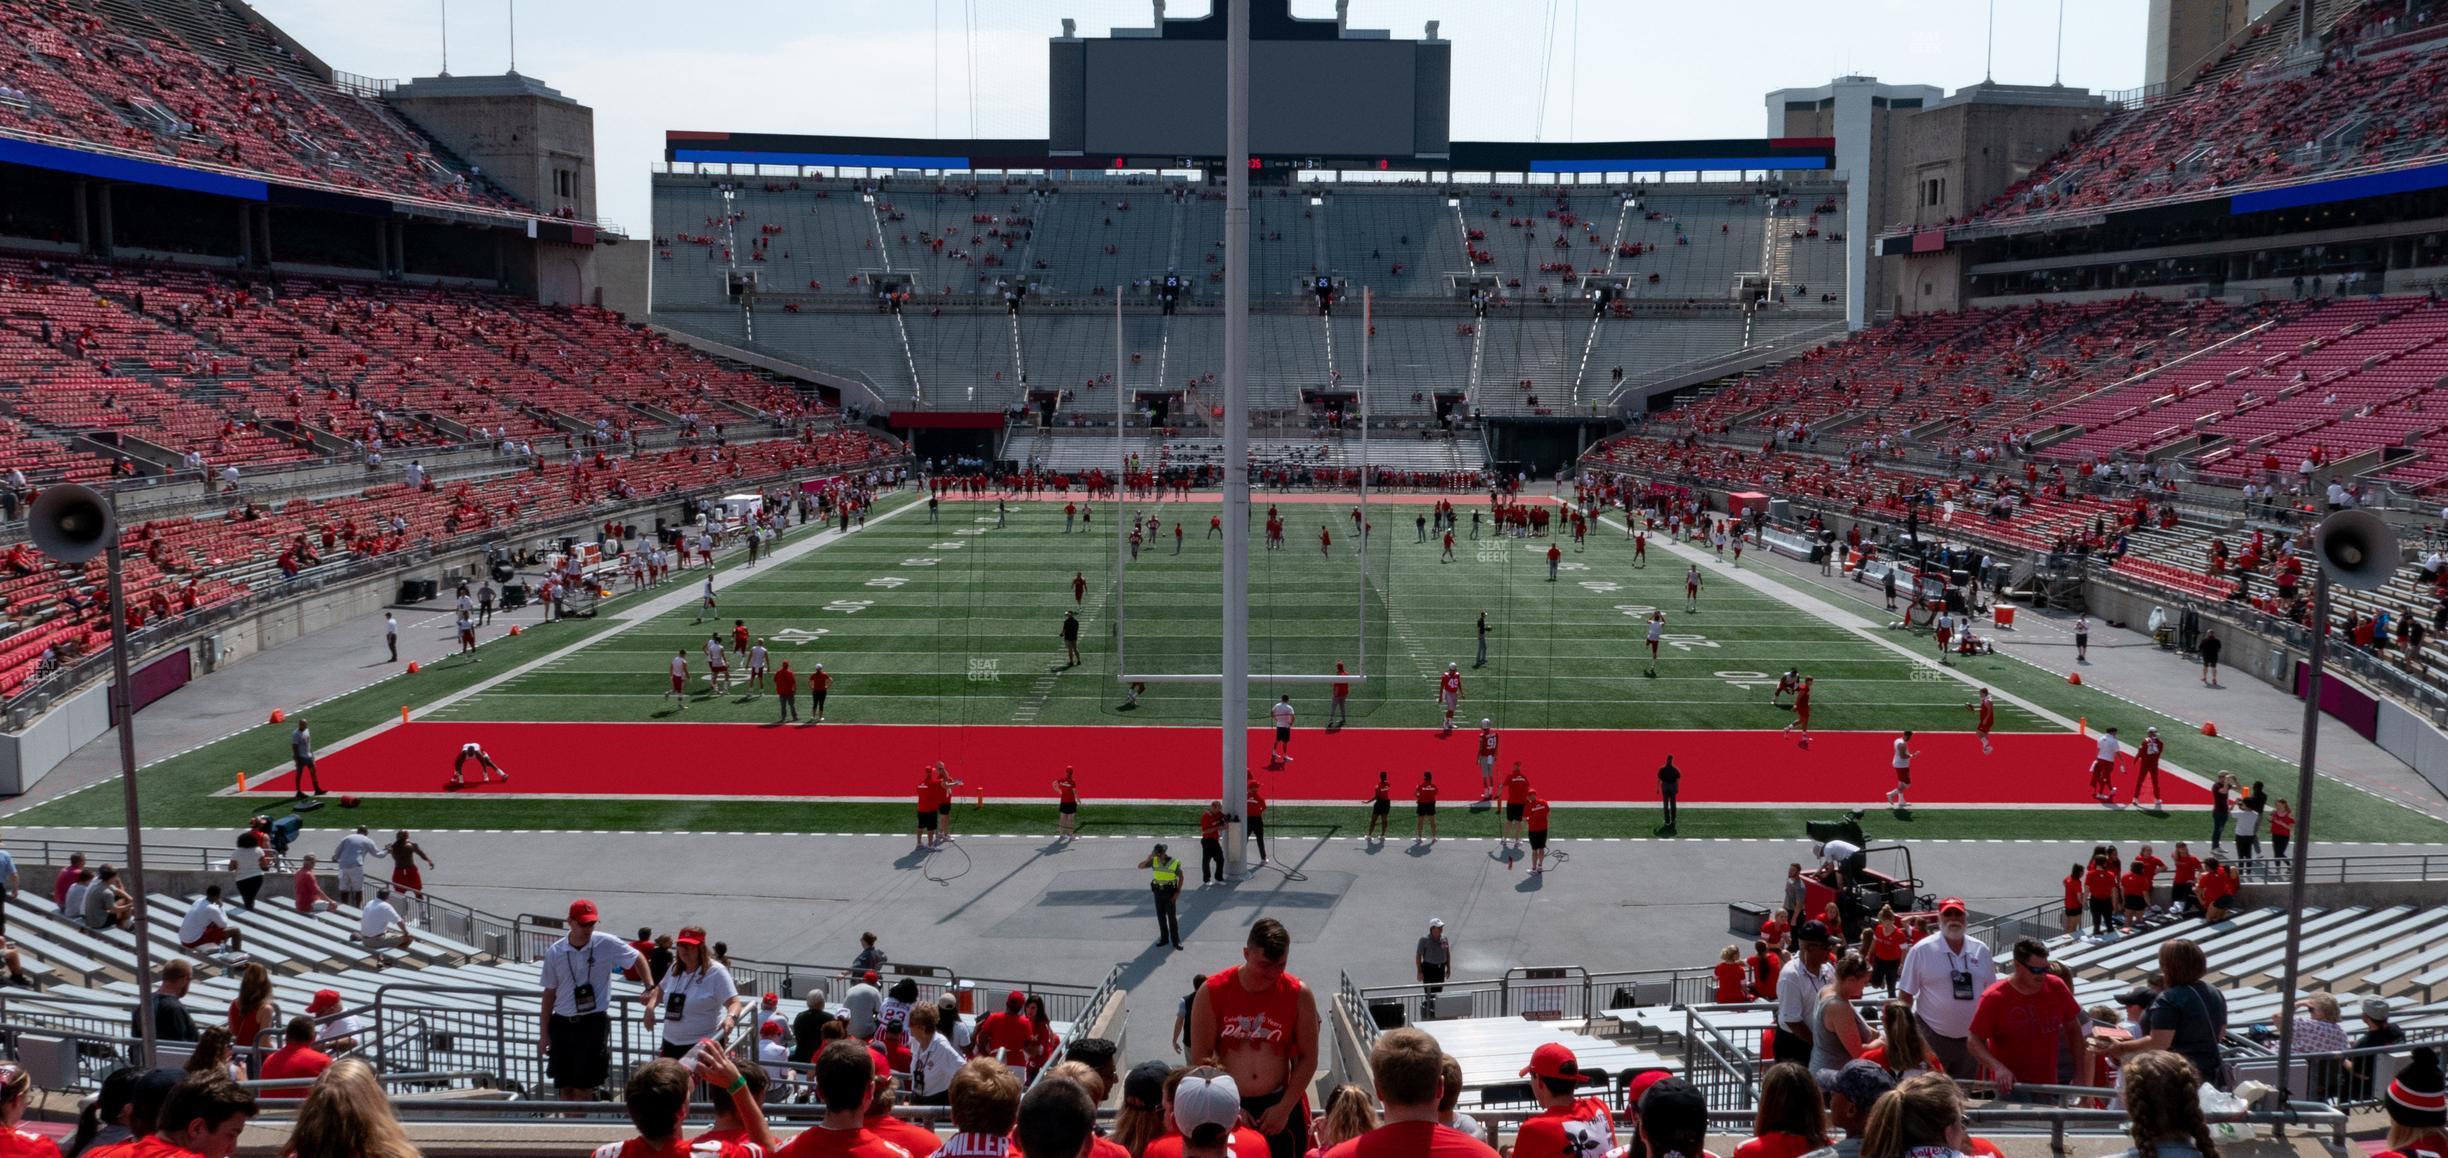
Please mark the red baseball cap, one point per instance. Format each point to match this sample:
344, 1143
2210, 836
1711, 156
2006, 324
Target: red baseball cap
1553, 1060
1640, 1085
324, 999
770, 1029
1951, 904
1016, 998
870, 977
582, 911
696, 939
773, 999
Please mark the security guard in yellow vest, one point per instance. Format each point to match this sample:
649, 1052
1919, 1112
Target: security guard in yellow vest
1165, 880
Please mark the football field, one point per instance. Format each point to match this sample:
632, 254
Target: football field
942, 638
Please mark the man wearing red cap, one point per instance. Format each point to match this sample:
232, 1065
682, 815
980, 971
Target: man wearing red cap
1004, 1035
1260, 1024
577, 1024
1565, 1124
1942, 979
339, 1034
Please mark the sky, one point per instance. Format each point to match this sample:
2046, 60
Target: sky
1635, 70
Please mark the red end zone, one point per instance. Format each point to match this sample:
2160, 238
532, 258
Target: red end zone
1139, 763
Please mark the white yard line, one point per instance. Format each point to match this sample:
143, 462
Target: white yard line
685, 592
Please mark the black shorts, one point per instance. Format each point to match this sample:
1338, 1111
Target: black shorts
1282, 733
2136, 902
1427, 808
1294, 1141
2075, 913
816, 698
581, 1051
1380, 807
926, 820
1513, 811
1538, 839
1069, 807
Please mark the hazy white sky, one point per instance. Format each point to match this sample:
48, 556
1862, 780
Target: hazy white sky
1644, 69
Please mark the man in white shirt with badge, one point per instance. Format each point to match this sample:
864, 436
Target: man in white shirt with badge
1942, 980
577, 1025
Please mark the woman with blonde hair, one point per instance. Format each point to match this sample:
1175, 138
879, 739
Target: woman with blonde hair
212, 1055
346, 1115
15, 1084
1838, 1034
1923, 1117
1348, 1114
1730, 976
2417, 1105
2163, 1107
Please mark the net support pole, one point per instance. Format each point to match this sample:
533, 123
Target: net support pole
1367, 329
1122, 478
1233, 737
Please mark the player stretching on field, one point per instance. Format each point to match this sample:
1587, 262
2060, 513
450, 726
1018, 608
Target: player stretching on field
1691, 588
2103, 769
1449, 693
680, 676
1787, 684
1985, 716
1903, 772
484, 761
1657, 632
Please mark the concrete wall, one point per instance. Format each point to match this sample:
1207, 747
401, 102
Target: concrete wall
1974, 144
624, 277
533, 141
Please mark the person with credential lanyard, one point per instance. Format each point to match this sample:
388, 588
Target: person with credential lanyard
699, 998
1942, 980
577, 1030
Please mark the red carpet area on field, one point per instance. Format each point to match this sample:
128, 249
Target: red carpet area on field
879, 761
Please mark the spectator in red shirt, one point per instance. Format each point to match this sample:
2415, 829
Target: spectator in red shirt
1408, 1069
1730, 976
1792, 1120
1005, 1034
2022, 1018
297, 1060
658, 1099
845, 1081
2100, 883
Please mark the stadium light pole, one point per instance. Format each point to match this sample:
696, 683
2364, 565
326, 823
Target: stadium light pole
1234, 735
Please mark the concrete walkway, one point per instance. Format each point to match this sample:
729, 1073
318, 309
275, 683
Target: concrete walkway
2126, 664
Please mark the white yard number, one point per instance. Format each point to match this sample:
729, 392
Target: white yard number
1682, 641
1635, 610
849, 606
1562, 566
1602, 586
954, 545
887, 582
1747, 680
921, 561
969, 531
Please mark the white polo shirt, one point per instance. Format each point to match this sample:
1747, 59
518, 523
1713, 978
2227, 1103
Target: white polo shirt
1928, 975
567, 967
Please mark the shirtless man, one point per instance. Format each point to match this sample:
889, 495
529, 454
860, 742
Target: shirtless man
1260, 1024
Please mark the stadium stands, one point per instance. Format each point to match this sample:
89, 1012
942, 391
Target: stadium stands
2261, 116
195, 82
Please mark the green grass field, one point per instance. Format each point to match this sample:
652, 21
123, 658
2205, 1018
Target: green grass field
954, 623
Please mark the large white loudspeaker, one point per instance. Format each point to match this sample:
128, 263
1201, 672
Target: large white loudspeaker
71, 523
2354, 547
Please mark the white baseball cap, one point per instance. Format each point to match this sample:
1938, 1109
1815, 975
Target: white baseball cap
1204, 1100
1436, 922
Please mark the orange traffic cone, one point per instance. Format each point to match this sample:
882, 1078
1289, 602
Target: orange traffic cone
2209, 728
403, 713
278, 715
415, 667
2082, 725
2074, 678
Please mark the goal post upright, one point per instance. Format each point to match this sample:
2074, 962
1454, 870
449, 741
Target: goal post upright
1233, 737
